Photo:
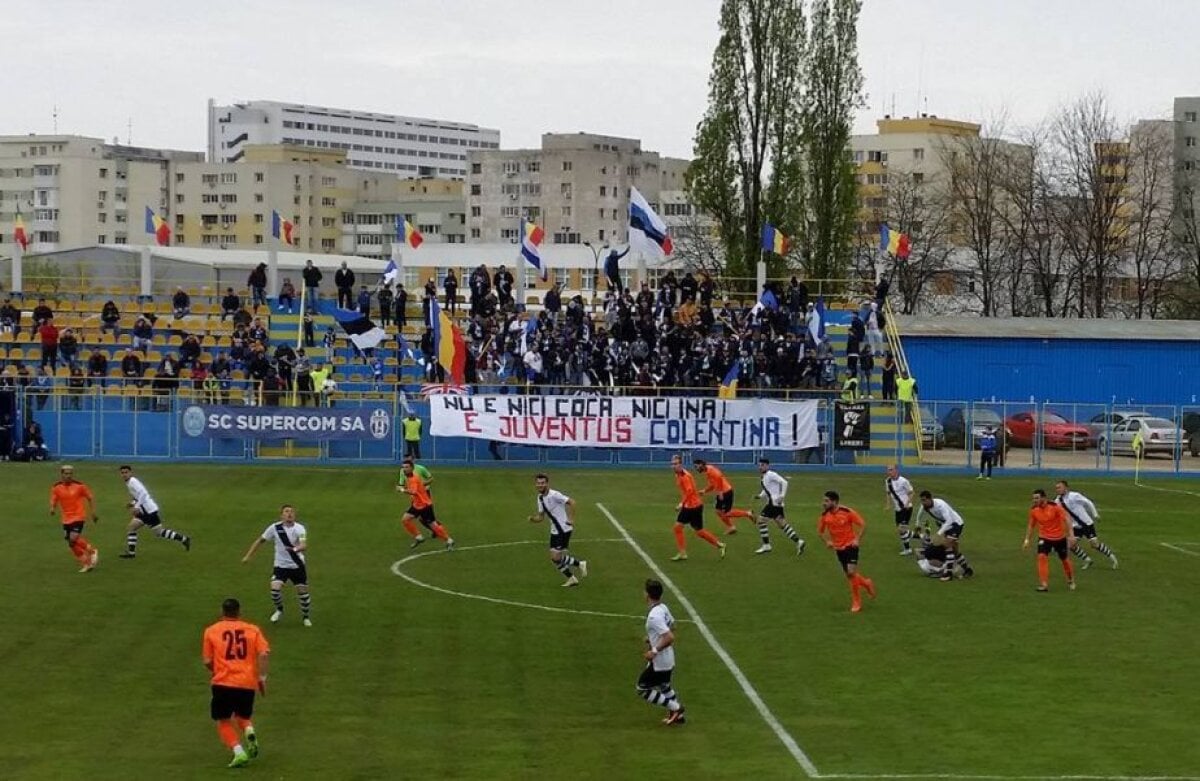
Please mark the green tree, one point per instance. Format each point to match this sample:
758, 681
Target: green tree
749, 149
834, 83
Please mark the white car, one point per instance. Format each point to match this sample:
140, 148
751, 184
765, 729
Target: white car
1100, 424
1159, 435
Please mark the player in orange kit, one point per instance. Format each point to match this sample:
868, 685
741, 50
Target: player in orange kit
1054, 534
845, 527
718, 484
235, 652
75, 501
690, 512
420, 509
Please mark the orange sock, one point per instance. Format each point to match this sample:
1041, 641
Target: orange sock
741, 514
725, 519
411, 528
79, 549
439, 531
709, 537
854, 598
680, 542
1068, 568
228, 734
1043, 569
242, 724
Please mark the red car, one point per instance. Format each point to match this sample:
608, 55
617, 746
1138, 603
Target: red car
1056, 431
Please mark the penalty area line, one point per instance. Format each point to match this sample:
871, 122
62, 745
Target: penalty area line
748, 689
1184, 551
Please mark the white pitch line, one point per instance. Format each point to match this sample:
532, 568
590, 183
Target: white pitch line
1184, 551
1150, 488
953, 777
397, 569
747, 688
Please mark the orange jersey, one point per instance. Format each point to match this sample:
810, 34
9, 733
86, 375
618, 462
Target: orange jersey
418, 492
687, 490
233, 646
716, 480
71, 499
1051, 521
843, 524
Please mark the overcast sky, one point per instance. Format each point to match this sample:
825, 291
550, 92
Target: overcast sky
627, 67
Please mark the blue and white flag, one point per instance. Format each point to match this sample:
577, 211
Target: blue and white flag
390, 272
647, 232
359, 328
816, 326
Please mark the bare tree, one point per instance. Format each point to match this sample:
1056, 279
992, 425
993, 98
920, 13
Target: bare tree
1185, 298
1149, 250
698, 246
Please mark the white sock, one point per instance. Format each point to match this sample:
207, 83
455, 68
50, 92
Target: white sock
237, 749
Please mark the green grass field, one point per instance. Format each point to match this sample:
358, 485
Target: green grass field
103, 679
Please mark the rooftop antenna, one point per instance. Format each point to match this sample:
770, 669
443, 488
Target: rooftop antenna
893, 104
920, 77
129, 132
54, 114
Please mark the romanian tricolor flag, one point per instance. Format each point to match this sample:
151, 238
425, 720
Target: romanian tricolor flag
893, 242
19, 234
728, 389
405, 232
282, 229
158, 227
773, 240
448, 344
531, 240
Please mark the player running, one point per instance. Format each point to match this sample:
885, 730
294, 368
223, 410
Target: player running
1054, 534
845, 528
719, 485
422, 472
559, 509
235, 653
76, 503
774, 490
950, 529
420, 509
690, 512
654, 684
145, 513
1083, 515
291, 555
899, 497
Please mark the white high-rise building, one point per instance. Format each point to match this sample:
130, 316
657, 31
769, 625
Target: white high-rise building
408, 146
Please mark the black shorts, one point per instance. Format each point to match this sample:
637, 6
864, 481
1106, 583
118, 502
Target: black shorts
1058, 546
904, 517
425, 515
148, 519
691, 516
75, 527
952, 532
725, 501
230, 701
772, 511
560, 540
1087, 531
297, 576
847, 556
654, 679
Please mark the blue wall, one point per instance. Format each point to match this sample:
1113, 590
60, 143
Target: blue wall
1082, 370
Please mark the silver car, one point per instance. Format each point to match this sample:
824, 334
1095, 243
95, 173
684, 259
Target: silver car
1159, 435
1100, 424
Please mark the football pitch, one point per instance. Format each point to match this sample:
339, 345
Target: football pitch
477, 664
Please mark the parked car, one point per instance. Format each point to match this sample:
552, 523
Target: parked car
933, 434
955, 427
1191, 431
1055, 431
1101, 423
1159, 435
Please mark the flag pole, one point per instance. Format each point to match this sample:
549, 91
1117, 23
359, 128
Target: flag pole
18, 257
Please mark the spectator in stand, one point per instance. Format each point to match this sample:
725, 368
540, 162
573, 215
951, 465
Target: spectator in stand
242, 318
10, 318
328, 340
97, 368
6, 436
612, 270
42, 312
503, 282
230, 304
24, 379
874, 332
427, 357
797, 299
343, 280
450, 285
309, 326
43, 386
181, 303
707, 289
312, 283
479, 283
364, 301
189, 352
881, 293
427, 301
319, 375
68, 347
257, 332
110, 319
34, 447
888, 378
166, 379
866, 367
304, 380
210, 387
688, 288
906, 393
143, 334
131, 367
257, 364
401, 307
76, 387
285, 364
553, 303
385, 306
257, 282
48, 333
287, 295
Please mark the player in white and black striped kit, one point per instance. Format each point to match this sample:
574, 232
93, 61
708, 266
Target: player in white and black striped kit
899, 496
654, 684
774, 490
145, 513
291, 547
950, 529
559, 510
1083, 515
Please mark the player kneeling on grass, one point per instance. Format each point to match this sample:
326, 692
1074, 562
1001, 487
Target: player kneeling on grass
145, 513
949, 529
559, 509
235, 653
291, 556
774, 490
420, 509
654, 684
